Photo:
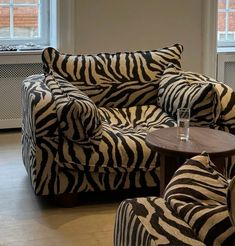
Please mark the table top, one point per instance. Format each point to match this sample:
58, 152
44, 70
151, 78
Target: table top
214, 142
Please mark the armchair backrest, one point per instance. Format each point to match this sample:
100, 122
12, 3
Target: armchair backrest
117, 80
140, 66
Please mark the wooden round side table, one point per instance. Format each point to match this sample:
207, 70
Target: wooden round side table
173, 151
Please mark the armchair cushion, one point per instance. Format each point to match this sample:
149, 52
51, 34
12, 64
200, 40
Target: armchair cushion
121, 94
122, 146
151, 221
78, 116
140, 66
193, 210
177, 91
120, 79
226, 96
200, 200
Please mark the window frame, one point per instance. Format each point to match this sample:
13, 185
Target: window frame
44, 27
225, 10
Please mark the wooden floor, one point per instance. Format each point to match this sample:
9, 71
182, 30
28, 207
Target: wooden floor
27, 220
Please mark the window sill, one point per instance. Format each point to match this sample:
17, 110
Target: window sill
21, 52
226, 50
21, 57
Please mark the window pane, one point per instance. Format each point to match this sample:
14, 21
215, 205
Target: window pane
4, 22
221, 37
221, 4
230, 37
231, 27
26, 22
221, 22
26, 1
232, 4
23, 21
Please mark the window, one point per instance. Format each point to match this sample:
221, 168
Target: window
24, 21
226, 23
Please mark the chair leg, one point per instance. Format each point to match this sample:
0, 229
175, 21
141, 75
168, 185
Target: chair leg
66, 200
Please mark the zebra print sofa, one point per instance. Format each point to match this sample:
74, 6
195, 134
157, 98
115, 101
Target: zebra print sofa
85, 120
195, 210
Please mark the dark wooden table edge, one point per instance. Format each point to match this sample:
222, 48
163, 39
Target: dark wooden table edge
189, 154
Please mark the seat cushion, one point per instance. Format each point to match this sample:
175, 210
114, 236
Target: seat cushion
197, 193
123, 144
177, 91
139, 119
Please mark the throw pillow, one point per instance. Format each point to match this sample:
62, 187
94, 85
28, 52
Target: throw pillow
177, 91
78, 116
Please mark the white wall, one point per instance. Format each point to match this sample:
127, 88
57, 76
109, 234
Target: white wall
127, 25
63, 24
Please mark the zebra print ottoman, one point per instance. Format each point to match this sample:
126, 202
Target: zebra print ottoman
193, 211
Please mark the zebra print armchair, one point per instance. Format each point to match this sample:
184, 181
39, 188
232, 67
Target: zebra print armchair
197, 209
85, 120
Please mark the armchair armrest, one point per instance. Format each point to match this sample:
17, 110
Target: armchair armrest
39, 133
77, 114
227, 102
226, 97
38, 108
223, 101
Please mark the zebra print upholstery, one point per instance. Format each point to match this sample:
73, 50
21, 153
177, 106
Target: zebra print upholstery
175, 91
85, 120
193, 211
226, 120
231, 200
150, 221
71, 103
226, 97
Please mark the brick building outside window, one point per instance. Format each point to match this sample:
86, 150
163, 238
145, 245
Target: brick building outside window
24, 21
226, 23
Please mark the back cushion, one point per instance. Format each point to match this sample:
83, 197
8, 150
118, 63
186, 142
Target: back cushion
118, 80
121, 94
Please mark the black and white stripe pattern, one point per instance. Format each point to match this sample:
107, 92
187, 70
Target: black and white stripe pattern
231, 200
175, 91
133, 93
142, 66
192, 212
115, 80
197, 193
123, 141
150, 221
225, 121
57, 164
78, 116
